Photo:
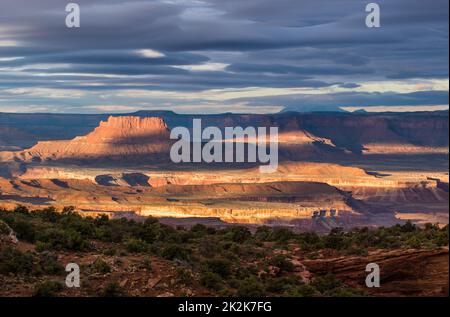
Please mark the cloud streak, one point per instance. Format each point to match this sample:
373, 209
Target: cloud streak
229, 55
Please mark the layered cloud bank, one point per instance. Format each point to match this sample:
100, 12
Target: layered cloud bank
215, 56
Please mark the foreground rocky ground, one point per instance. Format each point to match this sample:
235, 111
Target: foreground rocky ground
126, 258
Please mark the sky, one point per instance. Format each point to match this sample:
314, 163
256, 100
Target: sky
215, 56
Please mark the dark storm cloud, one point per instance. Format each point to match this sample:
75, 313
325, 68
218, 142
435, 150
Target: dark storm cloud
218, 44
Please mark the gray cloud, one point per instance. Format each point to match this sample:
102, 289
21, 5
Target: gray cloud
259, 43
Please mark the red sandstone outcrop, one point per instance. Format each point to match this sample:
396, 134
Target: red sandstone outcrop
118, 139
402, 272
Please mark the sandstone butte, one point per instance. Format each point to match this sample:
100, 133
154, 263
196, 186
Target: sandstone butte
117, 138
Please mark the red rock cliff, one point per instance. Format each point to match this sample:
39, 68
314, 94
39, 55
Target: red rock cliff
119, 138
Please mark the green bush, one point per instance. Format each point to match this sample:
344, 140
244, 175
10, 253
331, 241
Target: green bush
237, 234
281, 235
310, 241
276, 285
16, 262
47, 289
147, 264
48, 264
282, 262
184, 276
24, 230
112, 290
59, 239
175, 251
100, 266
209, 246
359, 251
136, 246
21, 210
110, 252
336, 239
4, 229
49, 214
326, 283
219, 266
263, 233
251, 287
303, 291
210, 280
199, 229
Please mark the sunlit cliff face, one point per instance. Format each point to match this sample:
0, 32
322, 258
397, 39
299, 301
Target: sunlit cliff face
123, 165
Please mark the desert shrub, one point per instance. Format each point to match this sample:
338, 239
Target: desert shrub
74, 222
409, 227
355, 250
110, 251
136, 246
165, 233
362, 237
302, 291
345, 292
59, 239
235, 249
16, 262
200, 230
237, 234
4, 229
414, 242
68, 210
210, 280
184, 276
282, 262
24, 229
310, 241
326, 283
263, 233
441, 236
76, 242
219, 266
184, 236
209, 246
47, 289
244, 250
281, 235
147, 264
336, 239
276, 285
175, 251
48, 264
115, 230
53, 238
148, 233
251, 287
112, 290
100, 266
21, 210
387, 238
433, 236
150, 221
245, 272
48, 214
107, 234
